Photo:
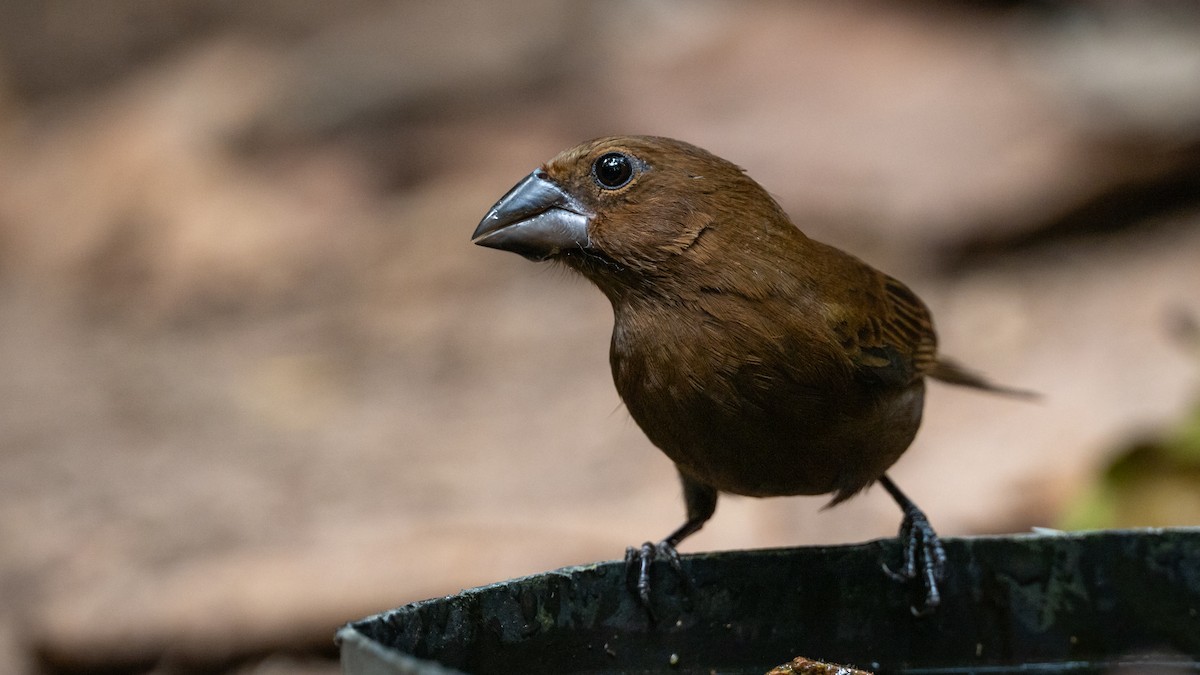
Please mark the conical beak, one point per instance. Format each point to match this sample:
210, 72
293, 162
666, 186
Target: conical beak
536, 219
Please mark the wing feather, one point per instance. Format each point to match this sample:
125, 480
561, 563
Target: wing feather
895, 341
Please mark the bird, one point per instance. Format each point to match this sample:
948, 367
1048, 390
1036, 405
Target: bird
762, 362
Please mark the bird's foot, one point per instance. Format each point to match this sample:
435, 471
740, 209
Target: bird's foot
637, 568
924, 559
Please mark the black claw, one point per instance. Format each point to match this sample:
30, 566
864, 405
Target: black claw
641, 559
924, 556
924, 559
638, 564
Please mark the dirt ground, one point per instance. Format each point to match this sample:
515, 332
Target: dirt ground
255, 381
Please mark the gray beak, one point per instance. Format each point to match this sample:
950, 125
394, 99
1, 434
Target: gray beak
536, 219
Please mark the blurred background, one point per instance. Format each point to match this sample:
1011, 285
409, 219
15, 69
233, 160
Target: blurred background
256, 382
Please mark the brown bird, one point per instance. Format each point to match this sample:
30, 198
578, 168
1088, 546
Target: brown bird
762, 362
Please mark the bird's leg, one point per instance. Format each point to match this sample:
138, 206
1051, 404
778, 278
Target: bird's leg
701, 501
924, 557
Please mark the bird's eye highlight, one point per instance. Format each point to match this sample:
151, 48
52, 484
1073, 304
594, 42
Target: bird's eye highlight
612, 170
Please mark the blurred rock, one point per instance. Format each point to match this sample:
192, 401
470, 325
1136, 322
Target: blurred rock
410, 59
59, 48
136, 205
1120, 68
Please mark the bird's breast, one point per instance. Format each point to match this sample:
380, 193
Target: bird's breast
756, 417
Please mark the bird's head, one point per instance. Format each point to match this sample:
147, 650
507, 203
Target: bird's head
629, 209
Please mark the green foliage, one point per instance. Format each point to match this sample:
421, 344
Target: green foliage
1154, 483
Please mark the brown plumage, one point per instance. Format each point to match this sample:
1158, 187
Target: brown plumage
762, 362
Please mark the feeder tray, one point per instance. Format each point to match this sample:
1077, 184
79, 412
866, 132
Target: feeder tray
1108, 601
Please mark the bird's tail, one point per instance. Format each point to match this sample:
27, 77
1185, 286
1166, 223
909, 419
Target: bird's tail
950, 372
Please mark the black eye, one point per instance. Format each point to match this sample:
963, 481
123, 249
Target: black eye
612, 170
